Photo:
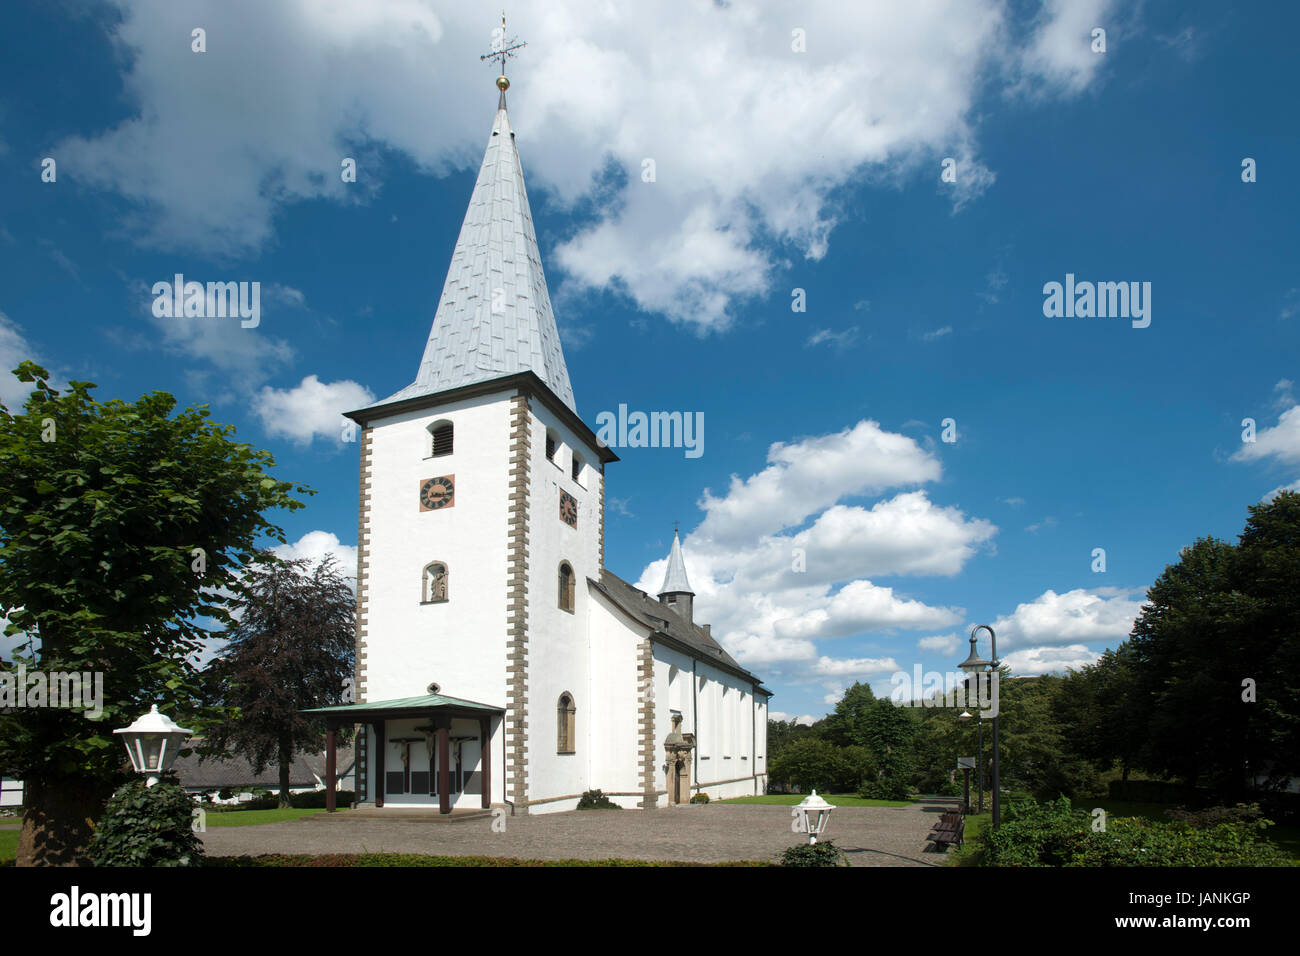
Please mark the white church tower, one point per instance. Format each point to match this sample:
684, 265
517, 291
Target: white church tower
498, 663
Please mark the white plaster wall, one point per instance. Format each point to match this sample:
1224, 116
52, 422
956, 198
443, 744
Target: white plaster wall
725, 736
614, 746
459, 644
558, 641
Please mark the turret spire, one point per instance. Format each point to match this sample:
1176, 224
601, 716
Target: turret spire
676, 590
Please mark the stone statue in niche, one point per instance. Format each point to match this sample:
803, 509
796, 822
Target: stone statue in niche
437, 577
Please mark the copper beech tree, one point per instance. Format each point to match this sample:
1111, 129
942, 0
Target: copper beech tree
291, 649
122, 526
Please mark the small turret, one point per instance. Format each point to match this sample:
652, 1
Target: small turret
676, 591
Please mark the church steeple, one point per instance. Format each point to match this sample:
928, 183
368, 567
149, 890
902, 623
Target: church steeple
676, 590
494, 318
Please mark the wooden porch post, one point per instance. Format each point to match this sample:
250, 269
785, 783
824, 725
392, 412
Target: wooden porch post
485, 758
331, 770
379, 763
444, 761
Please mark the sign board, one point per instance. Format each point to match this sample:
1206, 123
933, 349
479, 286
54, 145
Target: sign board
965, 763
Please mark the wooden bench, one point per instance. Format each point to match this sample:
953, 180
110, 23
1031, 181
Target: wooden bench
950, 829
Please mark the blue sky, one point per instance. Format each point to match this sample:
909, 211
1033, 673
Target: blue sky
775, 170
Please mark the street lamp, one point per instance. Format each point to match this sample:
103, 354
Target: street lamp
152, 742
973, 666
979, 760
815, 813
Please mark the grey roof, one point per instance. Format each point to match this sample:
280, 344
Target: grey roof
663, 618
494, 317
675, 575
423, 702
213, 773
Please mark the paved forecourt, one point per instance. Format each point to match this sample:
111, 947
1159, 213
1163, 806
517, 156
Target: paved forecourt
709, 833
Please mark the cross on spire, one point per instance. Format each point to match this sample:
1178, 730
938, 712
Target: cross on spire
501, 50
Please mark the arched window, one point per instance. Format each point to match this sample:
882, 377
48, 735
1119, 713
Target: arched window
441, 434
434, 589
576, 469
566, 587
552, 444
565, 726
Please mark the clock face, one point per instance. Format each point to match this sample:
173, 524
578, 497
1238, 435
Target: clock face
437, 493
568, 509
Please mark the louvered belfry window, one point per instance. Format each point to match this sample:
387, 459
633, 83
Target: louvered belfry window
442, 439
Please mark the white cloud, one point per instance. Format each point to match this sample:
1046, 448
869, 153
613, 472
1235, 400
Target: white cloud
1084, 614
1059, 58
806, 720
1294, 486
315, 545
773, 594
14, 348
1033, 661
943, 643
839, 341
1282, 441
215, 143
809, 475
862, 606
311, 408
855, 668
937, 333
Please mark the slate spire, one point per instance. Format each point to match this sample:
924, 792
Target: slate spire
494, 318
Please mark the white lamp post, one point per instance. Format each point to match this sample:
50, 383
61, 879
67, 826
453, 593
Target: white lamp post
152, 742
815, 813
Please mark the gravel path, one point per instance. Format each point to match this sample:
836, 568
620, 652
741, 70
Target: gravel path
716, 833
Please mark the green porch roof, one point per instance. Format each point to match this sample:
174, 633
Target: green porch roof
423, 702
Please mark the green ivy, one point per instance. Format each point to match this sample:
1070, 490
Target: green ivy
147, 826
825, 853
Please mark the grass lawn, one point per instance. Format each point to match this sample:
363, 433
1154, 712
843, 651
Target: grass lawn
8, 846
834, 799
252, 818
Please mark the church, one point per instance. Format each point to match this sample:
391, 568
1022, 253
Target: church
498, 662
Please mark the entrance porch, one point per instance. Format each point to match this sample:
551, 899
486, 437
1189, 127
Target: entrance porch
424, 751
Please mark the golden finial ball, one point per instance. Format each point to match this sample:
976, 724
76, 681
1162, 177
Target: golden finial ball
503, 84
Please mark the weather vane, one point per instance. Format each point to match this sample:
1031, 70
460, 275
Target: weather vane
501, 49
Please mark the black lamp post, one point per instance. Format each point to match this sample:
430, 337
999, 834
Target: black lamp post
979, 750
973, 666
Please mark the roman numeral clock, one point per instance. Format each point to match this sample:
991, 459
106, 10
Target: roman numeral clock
437, 493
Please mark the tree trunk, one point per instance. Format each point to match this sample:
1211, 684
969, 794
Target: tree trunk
286, 761
59, 820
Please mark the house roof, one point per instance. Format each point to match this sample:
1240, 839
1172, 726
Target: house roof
213, 773
494, 318
675, 574
664, 620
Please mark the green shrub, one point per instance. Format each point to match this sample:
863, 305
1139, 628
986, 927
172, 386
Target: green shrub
147, 826
1053, 834
885, 789
595, 800
315, 799
700, 798
825, 853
